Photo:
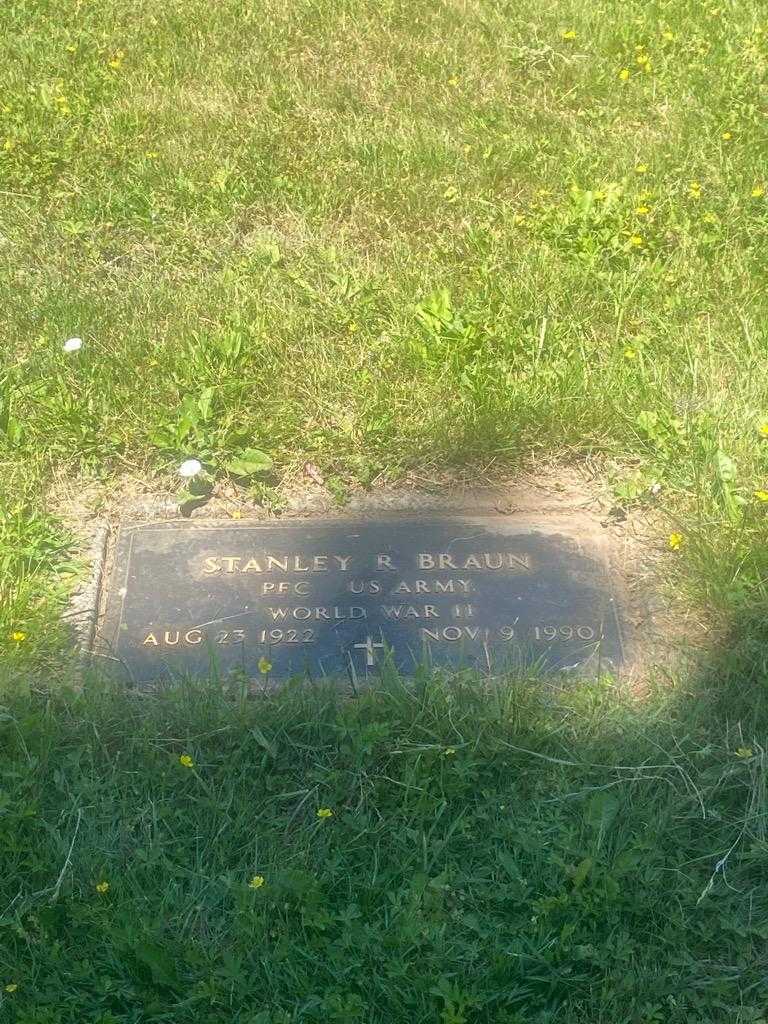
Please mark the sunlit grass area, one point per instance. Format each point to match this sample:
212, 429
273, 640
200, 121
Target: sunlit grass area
386, 237
431, 238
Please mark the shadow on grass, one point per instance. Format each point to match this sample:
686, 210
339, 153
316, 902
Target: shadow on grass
494, 852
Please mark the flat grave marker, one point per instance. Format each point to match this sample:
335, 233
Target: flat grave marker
341, 598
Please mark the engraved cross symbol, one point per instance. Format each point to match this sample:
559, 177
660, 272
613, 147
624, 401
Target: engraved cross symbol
368, 647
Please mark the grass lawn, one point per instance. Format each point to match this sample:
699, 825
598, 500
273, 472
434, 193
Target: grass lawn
440, 853
386, 238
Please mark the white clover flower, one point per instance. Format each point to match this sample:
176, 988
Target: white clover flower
189, 468
73, 344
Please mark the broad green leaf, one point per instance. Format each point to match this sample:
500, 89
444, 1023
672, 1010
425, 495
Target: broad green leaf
205, 401
581, 872
159, 962
601, 810
248, 462
726, 467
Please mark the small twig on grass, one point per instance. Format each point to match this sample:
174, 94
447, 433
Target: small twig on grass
63, 871
298, 807
720, 867
542, 338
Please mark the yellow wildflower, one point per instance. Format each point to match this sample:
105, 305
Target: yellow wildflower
18, 637
761, 495
324, 812
624, 74
102, 887
636, 240
235, 514
630, 353
763, 428
641, 169
744, 752
256, 882
727, 136
186, 761
676, 541
453, 81
11, 987
669, 36
569, 34
265, 665
758, 192
695, 189
642, 210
